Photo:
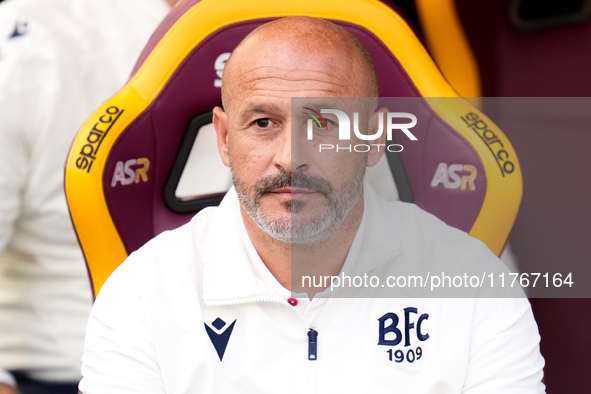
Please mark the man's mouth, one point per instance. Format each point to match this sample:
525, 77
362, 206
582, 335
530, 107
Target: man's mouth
292, 192
288, 187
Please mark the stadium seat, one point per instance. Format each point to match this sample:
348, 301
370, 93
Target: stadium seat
126, 163
532, 49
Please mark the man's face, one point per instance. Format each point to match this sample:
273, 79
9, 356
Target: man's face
293, 192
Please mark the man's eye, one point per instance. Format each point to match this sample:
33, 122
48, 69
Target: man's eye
329, 126
262, 123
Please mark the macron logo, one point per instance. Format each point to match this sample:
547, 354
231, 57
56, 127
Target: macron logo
20, 29
219, 338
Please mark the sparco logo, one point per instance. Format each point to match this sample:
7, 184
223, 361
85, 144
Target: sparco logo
95, 138
344, 124
492, 141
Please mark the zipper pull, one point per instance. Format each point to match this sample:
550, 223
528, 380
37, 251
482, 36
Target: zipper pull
312, 344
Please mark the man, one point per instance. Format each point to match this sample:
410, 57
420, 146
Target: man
208, 307
59, 59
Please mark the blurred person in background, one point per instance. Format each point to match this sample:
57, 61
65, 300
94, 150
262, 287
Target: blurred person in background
59, 60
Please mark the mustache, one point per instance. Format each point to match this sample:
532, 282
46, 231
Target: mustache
300, 180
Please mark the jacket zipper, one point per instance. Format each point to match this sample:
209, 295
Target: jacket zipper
253, 300
312, 344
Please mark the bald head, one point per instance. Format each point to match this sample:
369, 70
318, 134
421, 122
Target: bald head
304, 42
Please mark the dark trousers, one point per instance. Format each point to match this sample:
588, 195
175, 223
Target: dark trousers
31, 386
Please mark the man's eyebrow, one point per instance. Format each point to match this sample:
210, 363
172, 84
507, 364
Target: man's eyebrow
260, 109
323, 105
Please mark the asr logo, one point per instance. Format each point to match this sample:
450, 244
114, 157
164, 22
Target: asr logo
389, 334
126, 175
448, 175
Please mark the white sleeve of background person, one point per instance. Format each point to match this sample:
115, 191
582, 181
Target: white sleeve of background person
59, 60
13, 149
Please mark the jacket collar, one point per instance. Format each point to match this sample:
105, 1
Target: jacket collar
228, 276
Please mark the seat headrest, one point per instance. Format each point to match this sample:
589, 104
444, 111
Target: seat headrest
138, 133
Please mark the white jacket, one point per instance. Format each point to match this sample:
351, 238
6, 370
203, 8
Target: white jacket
59, 60
187, 313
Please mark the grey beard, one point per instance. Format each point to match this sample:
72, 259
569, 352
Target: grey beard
292, 229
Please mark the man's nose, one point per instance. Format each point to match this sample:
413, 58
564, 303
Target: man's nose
290, 155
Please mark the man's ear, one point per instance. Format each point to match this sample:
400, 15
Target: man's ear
378, 147
220, 122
